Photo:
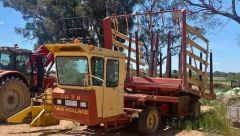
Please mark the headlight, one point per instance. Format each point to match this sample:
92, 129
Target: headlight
83, 104
59, 102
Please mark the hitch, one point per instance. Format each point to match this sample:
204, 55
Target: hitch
39, 114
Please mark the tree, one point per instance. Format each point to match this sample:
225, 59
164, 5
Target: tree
155, 24
150, 25
99, 9
213, 7
42, 16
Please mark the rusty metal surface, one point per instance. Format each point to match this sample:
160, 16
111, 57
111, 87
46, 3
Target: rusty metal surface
149, 83
153, 98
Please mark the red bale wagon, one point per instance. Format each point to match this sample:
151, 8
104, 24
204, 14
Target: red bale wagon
144, 92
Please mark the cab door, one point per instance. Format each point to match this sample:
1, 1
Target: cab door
97, 69
113, 88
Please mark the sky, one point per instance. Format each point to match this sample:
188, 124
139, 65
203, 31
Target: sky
9, 19
225, 42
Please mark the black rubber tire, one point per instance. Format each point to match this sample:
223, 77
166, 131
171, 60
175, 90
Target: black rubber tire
148, 121
14, 97
196, 108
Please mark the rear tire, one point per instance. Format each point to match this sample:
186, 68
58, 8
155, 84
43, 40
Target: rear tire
196, 108
14, 97
149, 119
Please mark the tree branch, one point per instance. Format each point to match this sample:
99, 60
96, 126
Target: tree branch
209, 7
234, 8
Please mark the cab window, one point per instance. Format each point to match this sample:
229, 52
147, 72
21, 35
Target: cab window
6, 60
72, 70
97, 70
21, 62
112, 73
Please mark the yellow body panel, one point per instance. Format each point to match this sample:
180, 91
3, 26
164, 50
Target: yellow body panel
38, 115
113, 96
99, 99
109, 99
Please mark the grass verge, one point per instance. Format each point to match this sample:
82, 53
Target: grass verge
213, 122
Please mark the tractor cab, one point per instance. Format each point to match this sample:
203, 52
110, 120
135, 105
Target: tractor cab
90, 83
12, 58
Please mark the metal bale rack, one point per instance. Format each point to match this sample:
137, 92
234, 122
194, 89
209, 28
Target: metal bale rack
153, 87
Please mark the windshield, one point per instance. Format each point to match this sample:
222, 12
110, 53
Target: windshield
6, 61
71, 70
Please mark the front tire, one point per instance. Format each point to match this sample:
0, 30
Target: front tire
14, 97
149, 119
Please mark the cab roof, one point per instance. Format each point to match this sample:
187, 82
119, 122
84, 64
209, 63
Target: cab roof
71, 47
16, 50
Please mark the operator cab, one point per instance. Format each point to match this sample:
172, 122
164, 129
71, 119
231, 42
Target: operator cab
12, 58
90, 83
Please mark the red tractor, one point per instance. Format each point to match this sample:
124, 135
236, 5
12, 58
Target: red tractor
24, 74
21, 74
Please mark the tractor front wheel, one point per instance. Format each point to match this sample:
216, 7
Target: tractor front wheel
149, 119
14, 97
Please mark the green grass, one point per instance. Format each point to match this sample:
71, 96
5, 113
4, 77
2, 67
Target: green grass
208, 102
213, 122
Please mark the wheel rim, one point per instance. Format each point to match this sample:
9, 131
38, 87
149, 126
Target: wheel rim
152, 121
11, 100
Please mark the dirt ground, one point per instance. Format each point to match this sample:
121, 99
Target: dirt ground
69, 128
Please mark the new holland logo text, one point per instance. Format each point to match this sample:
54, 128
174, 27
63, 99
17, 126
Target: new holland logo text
72, 110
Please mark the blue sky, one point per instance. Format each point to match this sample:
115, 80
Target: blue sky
9, 19
223, 42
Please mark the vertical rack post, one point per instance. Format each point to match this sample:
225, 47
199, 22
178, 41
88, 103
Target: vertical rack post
190, 71
107, 33
160, 69
211, 73
151, 65
168, 65
201, 68
156, 55
184, 48
179, 65
137, 54
129, 54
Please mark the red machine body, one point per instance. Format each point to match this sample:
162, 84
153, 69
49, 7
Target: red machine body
156, 91
47, 59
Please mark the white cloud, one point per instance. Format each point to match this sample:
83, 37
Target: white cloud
1, 23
